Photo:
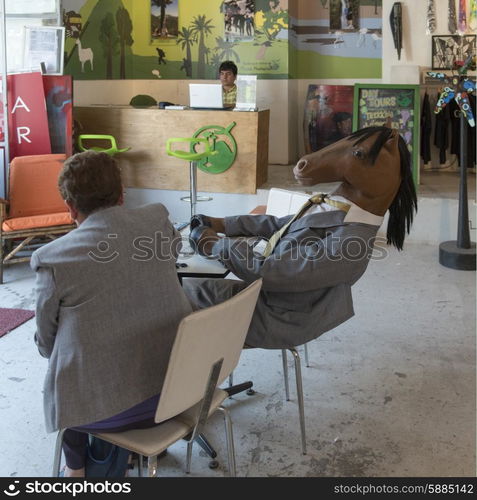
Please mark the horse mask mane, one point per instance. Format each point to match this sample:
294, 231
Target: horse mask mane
365, 165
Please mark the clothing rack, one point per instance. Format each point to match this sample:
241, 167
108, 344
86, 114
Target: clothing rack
440, 133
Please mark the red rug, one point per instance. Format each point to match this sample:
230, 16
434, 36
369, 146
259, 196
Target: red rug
11, 318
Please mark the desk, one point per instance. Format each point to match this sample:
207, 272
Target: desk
200, 267
146, 130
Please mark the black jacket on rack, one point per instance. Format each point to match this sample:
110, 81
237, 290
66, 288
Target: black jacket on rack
426, 129
454, 112
441, 133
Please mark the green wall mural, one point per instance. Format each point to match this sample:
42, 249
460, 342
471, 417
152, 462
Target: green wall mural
182, 39
111, 39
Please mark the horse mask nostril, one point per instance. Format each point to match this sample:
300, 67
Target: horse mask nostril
301, 165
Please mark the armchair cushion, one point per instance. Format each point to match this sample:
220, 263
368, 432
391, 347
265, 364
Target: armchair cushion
31, 190
36, 221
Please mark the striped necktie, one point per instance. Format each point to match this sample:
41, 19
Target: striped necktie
317, 199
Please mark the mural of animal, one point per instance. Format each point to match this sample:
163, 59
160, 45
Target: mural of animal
84, 55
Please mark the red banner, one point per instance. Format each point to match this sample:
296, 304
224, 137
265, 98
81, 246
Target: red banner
27, 116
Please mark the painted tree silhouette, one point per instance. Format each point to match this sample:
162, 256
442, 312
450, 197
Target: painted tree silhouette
201, 27
215, 61
124, 25
225, 49
185, 38
108, 36
162, 18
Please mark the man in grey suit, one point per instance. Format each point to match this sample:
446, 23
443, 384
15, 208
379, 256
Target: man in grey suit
108, 306
307, 278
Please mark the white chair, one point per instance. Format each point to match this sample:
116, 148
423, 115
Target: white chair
206, 350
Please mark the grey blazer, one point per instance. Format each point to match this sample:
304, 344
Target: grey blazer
108, 306
306, 280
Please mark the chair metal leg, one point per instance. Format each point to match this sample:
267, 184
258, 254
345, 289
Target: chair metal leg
299, 390
307, 362
152, 466
193, 187
230, 441
58, 449
189, 455
285, 374
201, 440
140, 465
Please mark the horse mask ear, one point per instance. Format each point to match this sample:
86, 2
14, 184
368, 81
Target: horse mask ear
391, 144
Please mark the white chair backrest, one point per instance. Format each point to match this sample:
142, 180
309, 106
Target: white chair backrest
281, 202
203, 338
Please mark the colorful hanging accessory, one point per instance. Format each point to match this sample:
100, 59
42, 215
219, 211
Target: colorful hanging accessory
462, 17
458, 87
431, 17
452, 23
473, 15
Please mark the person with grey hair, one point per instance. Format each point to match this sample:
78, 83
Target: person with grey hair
108, 304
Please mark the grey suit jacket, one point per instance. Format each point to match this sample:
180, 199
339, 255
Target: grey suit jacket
306, 280
108, 306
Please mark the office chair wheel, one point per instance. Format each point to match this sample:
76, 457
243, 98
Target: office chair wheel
250, 392
213, 464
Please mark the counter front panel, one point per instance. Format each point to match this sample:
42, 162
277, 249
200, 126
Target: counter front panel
146, 130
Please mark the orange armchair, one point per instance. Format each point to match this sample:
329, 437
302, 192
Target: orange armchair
34, 212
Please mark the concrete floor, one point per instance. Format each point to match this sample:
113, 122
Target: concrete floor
391, 392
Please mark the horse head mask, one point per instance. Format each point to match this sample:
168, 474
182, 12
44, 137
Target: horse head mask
374, 167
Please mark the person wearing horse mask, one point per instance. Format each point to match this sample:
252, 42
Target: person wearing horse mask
310, 260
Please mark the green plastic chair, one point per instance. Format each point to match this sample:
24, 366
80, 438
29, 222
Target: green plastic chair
192, 157
112, 150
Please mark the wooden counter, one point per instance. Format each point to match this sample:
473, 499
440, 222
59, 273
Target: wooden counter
146, 130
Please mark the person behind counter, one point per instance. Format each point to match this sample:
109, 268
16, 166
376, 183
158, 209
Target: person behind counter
107, 308
228, 75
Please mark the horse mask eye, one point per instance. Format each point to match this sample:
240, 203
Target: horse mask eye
359, 154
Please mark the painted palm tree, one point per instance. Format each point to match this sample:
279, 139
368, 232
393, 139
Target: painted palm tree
201, 27
186, 38
124, 26
226, 50
207, 54
215, 61
162, 18
108, 36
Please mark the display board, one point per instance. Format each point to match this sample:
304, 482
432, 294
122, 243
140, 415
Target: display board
375, 105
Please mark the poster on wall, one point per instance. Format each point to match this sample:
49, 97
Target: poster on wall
344, 15
44, 49
451, 51
328, 115
239, 24
376, 104
164, 19
59, 107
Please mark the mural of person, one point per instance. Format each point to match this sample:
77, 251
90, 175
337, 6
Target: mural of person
161, 56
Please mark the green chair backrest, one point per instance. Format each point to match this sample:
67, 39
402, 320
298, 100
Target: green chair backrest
113, 148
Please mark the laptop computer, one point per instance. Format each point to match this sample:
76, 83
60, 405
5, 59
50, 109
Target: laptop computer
205, 96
